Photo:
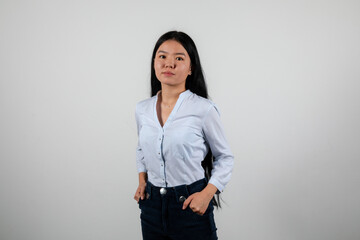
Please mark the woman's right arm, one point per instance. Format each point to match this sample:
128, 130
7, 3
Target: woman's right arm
140, 191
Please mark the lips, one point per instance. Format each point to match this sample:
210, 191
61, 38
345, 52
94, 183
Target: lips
168, 73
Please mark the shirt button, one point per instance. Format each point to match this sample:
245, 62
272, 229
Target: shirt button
159, 153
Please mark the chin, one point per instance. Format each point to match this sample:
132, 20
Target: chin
170, 83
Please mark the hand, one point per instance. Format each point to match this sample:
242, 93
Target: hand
198, 201
140, 192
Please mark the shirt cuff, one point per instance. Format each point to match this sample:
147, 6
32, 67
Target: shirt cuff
217, 184
141, 169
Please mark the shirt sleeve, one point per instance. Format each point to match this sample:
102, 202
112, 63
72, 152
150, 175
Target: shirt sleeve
139, 153
223, 157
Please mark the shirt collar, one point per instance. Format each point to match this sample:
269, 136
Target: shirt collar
175, 109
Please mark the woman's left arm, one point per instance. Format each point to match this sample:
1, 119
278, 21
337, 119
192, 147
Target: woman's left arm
223, 161
223, 158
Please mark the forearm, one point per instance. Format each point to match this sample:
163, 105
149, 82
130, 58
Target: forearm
142, 177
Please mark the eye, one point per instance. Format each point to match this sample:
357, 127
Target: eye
179, 58
162, 56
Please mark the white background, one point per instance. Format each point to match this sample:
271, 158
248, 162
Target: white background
284, 74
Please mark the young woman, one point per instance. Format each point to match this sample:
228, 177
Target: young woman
183, 158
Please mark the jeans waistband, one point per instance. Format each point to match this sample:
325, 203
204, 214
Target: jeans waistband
177, 191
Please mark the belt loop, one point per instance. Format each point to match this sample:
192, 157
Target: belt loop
188, 191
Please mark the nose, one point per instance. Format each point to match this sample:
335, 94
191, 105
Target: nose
169, 63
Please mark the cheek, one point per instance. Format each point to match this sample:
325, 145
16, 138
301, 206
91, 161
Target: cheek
156, 64
157, 67
184, 69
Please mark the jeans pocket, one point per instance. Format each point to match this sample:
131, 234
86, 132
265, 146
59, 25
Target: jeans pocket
189, 211
141, 201
145, 201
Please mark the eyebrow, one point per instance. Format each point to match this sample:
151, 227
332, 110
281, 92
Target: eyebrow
161, 51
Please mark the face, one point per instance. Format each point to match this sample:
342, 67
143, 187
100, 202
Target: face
172, 63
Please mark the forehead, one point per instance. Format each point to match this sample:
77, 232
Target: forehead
172, 47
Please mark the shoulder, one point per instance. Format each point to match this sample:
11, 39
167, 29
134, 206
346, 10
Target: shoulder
144, 105
204, 105
201, 101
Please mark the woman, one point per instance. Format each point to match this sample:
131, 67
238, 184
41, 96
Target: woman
183, 158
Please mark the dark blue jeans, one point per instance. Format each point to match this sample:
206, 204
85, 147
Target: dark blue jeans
162, 216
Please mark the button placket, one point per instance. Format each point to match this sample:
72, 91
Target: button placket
161, 157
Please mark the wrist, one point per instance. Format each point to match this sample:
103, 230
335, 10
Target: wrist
210, 190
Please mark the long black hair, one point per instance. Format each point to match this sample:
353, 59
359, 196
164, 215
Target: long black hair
195, 82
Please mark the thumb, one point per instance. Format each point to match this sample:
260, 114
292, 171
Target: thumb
187, 201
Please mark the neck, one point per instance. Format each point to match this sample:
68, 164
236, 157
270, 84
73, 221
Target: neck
169, 95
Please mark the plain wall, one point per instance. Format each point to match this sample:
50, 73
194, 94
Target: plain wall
284, 74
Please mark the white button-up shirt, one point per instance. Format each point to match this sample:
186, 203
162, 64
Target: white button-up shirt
172, 155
